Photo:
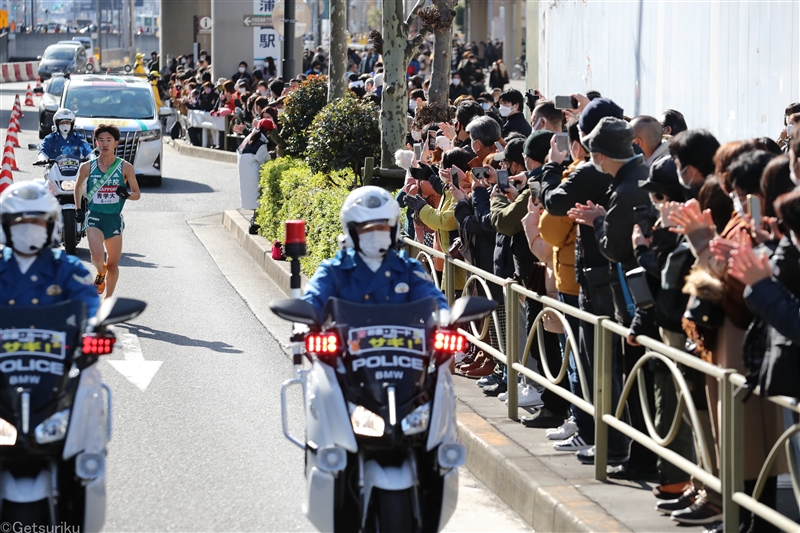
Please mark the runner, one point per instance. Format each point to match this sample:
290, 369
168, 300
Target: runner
107, 177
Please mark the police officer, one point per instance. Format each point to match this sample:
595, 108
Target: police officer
369, 269
64, 140
31, 272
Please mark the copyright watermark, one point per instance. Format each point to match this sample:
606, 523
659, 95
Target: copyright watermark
19, 527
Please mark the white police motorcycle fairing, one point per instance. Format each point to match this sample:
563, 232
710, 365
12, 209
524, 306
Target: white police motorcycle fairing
382, 446
55, 413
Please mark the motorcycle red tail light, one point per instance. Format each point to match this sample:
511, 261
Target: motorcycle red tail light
448, 342
322, 344
98, 345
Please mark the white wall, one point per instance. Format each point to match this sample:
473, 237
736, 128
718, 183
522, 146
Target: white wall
731, 67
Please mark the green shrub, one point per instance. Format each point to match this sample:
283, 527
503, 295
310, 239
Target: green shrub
272, 172
299, 110
291, 191
343, 134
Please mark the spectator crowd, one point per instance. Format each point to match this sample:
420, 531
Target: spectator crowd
678, 237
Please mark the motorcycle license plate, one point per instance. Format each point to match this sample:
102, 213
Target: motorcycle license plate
383, 338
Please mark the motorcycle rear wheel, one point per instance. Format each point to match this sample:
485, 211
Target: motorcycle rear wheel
26, 514
69, 234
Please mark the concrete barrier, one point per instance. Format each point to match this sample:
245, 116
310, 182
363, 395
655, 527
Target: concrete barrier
11, 72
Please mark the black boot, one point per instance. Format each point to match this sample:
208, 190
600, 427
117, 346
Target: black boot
253, 226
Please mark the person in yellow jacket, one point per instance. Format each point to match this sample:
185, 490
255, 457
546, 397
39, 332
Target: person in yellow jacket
138, 69
153, 77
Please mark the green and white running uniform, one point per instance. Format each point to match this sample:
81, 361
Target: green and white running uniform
105, 206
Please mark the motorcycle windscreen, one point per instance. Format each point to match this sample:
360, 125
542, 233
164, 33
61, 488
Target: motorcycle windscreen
37, 345
385, 345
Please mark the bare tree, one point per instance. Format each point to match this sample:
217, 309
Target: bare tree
439, 17
398, 49
337, 57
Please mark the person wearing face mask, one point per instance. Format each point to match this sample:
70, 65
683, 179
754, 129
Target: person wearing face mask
457, 87
511, 110
693, 152
64, 140
31, 271
242, 74
370, 269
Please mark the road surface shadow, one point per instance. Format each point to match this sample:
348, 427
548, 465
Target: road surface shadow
144, 332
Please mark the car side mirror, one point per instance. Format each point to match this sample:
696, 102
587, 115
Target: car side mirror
38, 90
165, 111
38, 58
469, 308
51, 107
295, 311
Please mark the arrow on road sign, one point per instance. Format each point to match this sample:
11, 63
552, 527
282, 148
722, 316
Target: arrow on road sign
264, 21
134, 368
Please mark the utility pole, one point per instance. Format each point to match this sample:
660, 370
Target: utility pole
99, 34
288, 40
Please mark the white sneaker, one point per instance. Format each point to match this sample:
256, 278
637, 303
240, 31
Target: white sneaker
529, 397
564, 431
573, 444
521, 391
503, 396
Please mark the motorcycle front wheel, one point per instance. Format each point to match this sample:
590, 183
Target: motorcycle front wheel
395, 511
69, 233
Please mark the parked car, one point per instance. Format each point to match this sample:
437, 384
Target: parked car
50, 91
86, 41
66, 56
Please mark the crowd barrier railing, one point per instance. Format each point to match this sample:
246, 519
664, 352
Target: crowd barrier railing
729, 478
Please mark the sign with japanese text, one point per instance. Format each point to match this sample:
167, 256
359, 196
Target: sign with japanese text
33, 342
386, 338
266, 41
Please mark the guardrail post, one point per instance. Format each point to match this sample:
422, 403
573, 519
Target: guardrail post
731, 468
512, 347
450, 280
369, 167
602, 395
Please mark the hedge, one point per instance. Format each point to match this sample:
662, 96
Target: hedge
291, 191
299, 110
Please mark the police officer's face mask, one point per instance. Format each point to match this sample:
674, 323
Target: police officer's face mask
64, 129
374, 244
28, 239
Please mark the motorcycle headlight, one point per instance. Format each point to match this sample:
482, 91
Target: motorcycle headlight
417, 420
8, 433
68, 185
150, 135
53, 429
367, 423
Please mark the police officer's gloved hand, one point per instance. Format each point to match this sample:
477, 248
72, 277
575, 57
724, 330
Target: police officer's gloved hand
79, 215
123, 192
415, 203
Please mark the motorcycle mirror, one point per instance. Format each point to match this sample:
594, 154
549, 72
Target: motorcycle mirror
115, 310
33, 146
295, 311
469, 308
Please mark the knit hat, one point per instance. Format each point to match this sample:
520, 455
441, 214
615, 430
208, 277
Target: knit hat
595, 111
537, 145
513, 152
612, 137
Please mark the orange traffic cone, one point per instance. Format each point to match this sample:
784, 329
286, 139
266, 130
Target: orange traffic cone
6, 177
29, 97
13, 123
8, 154
11, 137
17, 107
38, 82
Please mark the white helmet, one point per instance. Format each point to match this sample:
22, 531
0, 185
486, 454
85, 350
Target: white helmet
367, 204
30, 199
62, 115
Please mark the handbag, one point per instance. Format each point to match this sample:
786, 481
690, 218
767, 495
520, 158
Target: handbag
277, 251
596, 278
537, 277
704, 313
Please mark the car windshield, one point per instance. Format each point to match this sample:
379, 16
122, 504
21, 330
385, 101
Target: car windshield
59, 53
110, 101
56, 85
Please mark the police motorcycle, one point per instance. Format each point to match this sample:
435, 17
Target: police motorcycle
381, 446
60, 176
55, 421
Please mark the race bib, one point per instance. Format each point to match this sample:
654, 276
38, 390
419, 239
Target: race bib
106, 195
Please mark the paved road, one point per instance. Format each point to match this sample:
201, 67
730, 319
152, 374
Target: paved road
197, 443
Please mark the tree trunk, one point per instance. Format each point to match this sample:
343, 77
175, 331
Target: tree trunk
395, 97
442, 55
337, 63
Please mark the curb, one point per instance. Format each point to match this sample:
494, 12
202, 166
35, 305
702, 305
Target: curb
182, 147
529, 487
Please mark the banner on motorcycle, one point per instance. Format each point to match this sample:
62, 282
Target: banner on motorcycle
381, 338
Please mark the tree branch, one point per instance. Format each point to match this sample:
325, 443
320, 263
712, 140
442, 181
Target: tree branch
413, 44
413, 13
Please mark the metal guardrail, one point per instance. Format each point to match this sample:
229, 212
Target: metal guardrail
729, 484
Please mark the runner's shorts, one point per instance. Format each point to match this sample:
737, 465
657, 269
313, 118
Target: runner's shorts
110, 225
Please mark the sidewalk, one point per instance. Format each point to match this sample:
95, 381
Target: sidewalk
550, 490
